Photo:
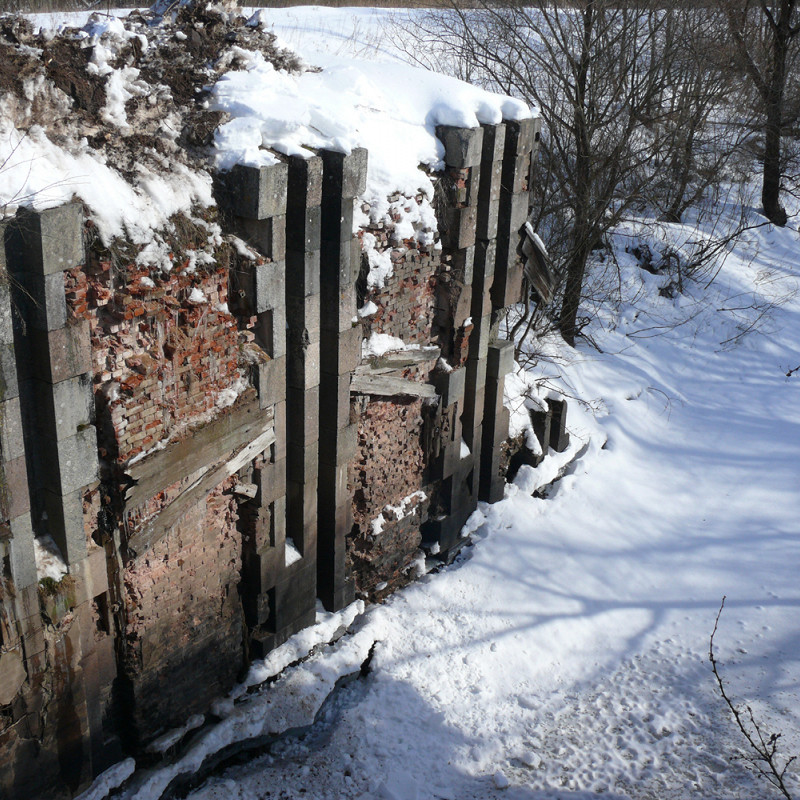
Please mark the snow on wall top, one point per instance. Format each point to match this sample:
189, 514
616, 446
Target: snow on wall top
391, 109
261, 102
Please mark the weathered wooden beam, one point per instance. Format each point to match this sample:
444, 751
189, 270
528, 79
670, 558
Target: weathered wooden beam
386, 386
162, 523
201, 449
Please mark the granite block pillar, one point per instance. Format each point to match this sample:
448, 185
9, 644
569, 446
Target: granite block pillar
344, 179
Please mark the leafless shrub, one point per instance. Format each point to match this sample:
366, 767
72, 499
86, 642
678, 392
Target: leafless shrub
762, 754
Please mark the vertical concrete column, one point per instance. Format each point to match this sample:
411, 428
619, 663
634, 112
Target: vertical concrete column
57, 404
344, 179
488, 404
520, 138
493, 147
297, 595
495, 420
256, 197
56, 385
16, 531
461, 393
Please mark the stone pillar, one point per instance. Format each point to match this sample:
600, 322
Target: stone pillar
495, 420
57, 404
295, 599
56, 387
344, 179
275, 208
514, 204
461, 390
505, 201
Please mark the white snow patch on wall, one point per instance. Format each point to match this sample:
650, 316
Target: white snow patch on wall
49, 561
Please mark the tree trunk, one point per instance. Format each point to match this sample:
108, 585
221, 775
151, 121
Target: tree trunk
576, 265
573, 289
771, 188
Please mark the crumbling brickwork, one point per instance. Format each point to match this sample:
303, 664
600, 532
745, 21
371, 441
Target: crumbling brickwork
211, 449
389, 466
183, 618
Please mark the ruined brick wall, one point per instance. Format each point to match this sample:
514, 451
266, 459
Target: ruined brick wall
387, 481
209, 446
183, 615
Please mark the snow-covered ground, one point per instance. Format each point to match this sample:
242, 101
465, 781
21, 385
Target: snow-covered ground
565, 653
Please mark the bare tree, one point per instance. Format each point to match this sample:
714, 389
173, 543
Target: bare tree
766, 39
626, 104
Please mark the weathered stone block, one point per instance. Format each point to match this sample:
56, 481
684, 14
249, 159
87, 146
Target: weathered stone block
301, 510
57, 355
268, 236
12, 444
9, 385
6, 323
12, 675
77, 464
41, 300
338, 446
270, 331
501, 358
296, 597
479, 339
559, 438
335, 598
462, 264
304, 229
303, 417
519, 214
459, 228
302, 275
333, 488
272, 482
67, 407
65, 523
303, 365
344, 175
302, 463
52, 240
335, 410
279, 447
304, 182
494, 142
269, 285
341, 354
522, 170
450, 385
462, 310
462, 146
23, 562
14, 496
303, 317
258, 192
520, 136
474, 394
270, 381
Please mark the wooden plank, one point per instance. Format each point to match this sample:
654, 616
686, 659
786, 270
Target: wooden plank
386, 386
161, 524
200, 449
407, 358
